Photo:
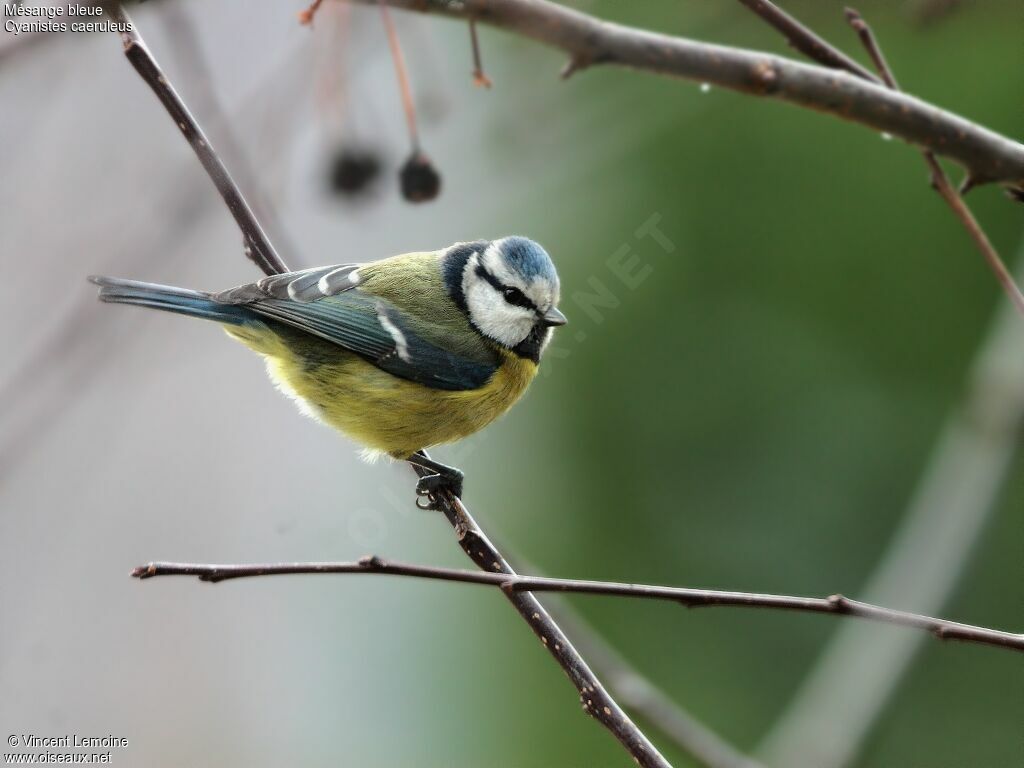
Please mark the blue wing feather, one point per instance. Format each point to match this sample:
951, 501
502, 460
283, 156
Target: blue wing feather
353, 321
327, 303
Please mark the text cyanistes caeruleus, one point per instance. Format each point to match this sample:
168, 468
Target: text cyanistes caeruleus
400, 354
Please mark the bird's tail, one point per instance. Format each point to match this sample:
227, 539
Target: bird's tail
170, 299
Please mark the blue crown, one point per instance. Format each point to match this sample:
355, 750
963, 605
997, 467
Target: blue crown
527, 258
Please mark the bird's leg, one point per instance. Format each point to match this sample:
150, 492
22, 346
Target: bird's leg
443, 478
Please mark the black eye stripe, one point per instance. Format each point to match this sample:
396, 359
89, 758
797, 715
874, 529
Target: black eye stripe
515, 296
518, 299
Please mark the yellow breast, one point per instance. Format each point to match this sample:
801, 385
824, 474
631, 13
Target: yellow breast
384, 413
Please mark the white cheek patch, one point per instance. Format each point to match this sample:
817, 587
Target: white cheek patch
490, 313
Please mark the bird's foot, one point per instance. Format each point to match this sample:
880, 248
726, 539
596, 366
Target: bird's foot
430, 486
442, 478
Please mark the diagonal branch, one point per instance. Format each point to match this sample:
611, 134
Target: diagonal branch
940, 181
195, 66
595, 699
820, 50
638, 693
806, 40
988, 156
257, 245
514, 585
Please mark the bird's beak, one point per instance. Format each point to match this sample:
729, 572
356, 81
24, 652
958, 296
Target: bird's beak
553, 317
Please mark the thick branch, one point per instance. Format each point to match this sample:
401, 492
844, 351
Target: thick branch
515, 585
820, 50
257, 245
987, 155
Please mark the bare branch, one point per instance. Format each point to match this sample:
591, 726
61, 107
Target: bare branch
939, 178
987, 155
637, 692
402, 73
805, 40
257, 244
513, 584
594, 697
643, 697
479, 78
867, 39
953, 199
820, 50
196, 69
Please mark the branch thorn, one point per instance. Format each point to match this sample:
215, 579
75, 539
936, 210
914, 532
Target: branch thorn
572, 66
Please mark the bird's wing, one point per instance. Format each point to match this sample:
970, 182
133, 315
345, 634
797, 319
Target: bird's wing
302, 286
325, 303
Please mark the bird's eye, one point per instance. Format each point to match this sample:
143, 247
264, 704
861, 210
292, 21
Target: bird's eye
514, 296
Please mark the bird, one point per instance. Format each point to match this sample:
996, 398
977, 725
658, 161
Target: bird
400, 354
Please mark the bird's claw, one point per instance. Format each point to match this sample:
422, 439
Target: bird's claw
430, 486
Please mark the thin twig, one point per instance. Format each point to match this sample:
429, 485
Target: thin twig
805, 40
197, 72
513, 584
402, 72
479, 78
940, 181
638, 693
953, 199
988, 156
257, 245
867, 39
820, 50
644, 698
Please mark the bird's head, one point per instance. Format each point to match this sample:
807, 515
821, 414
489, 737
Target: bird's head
508, 288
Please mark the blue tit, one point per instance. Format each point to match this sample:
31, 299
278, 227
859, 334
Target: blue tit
399, 354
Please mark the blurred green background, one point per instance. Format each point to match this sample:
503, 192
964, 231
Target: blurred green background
755, 414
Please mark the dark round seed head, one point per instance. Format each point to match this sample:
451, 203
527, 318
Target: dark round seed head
420, 180
353, 170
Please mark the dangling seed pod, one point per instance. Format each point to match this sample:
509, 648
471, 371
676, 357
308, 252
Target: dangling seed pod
420, 180
352, 171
